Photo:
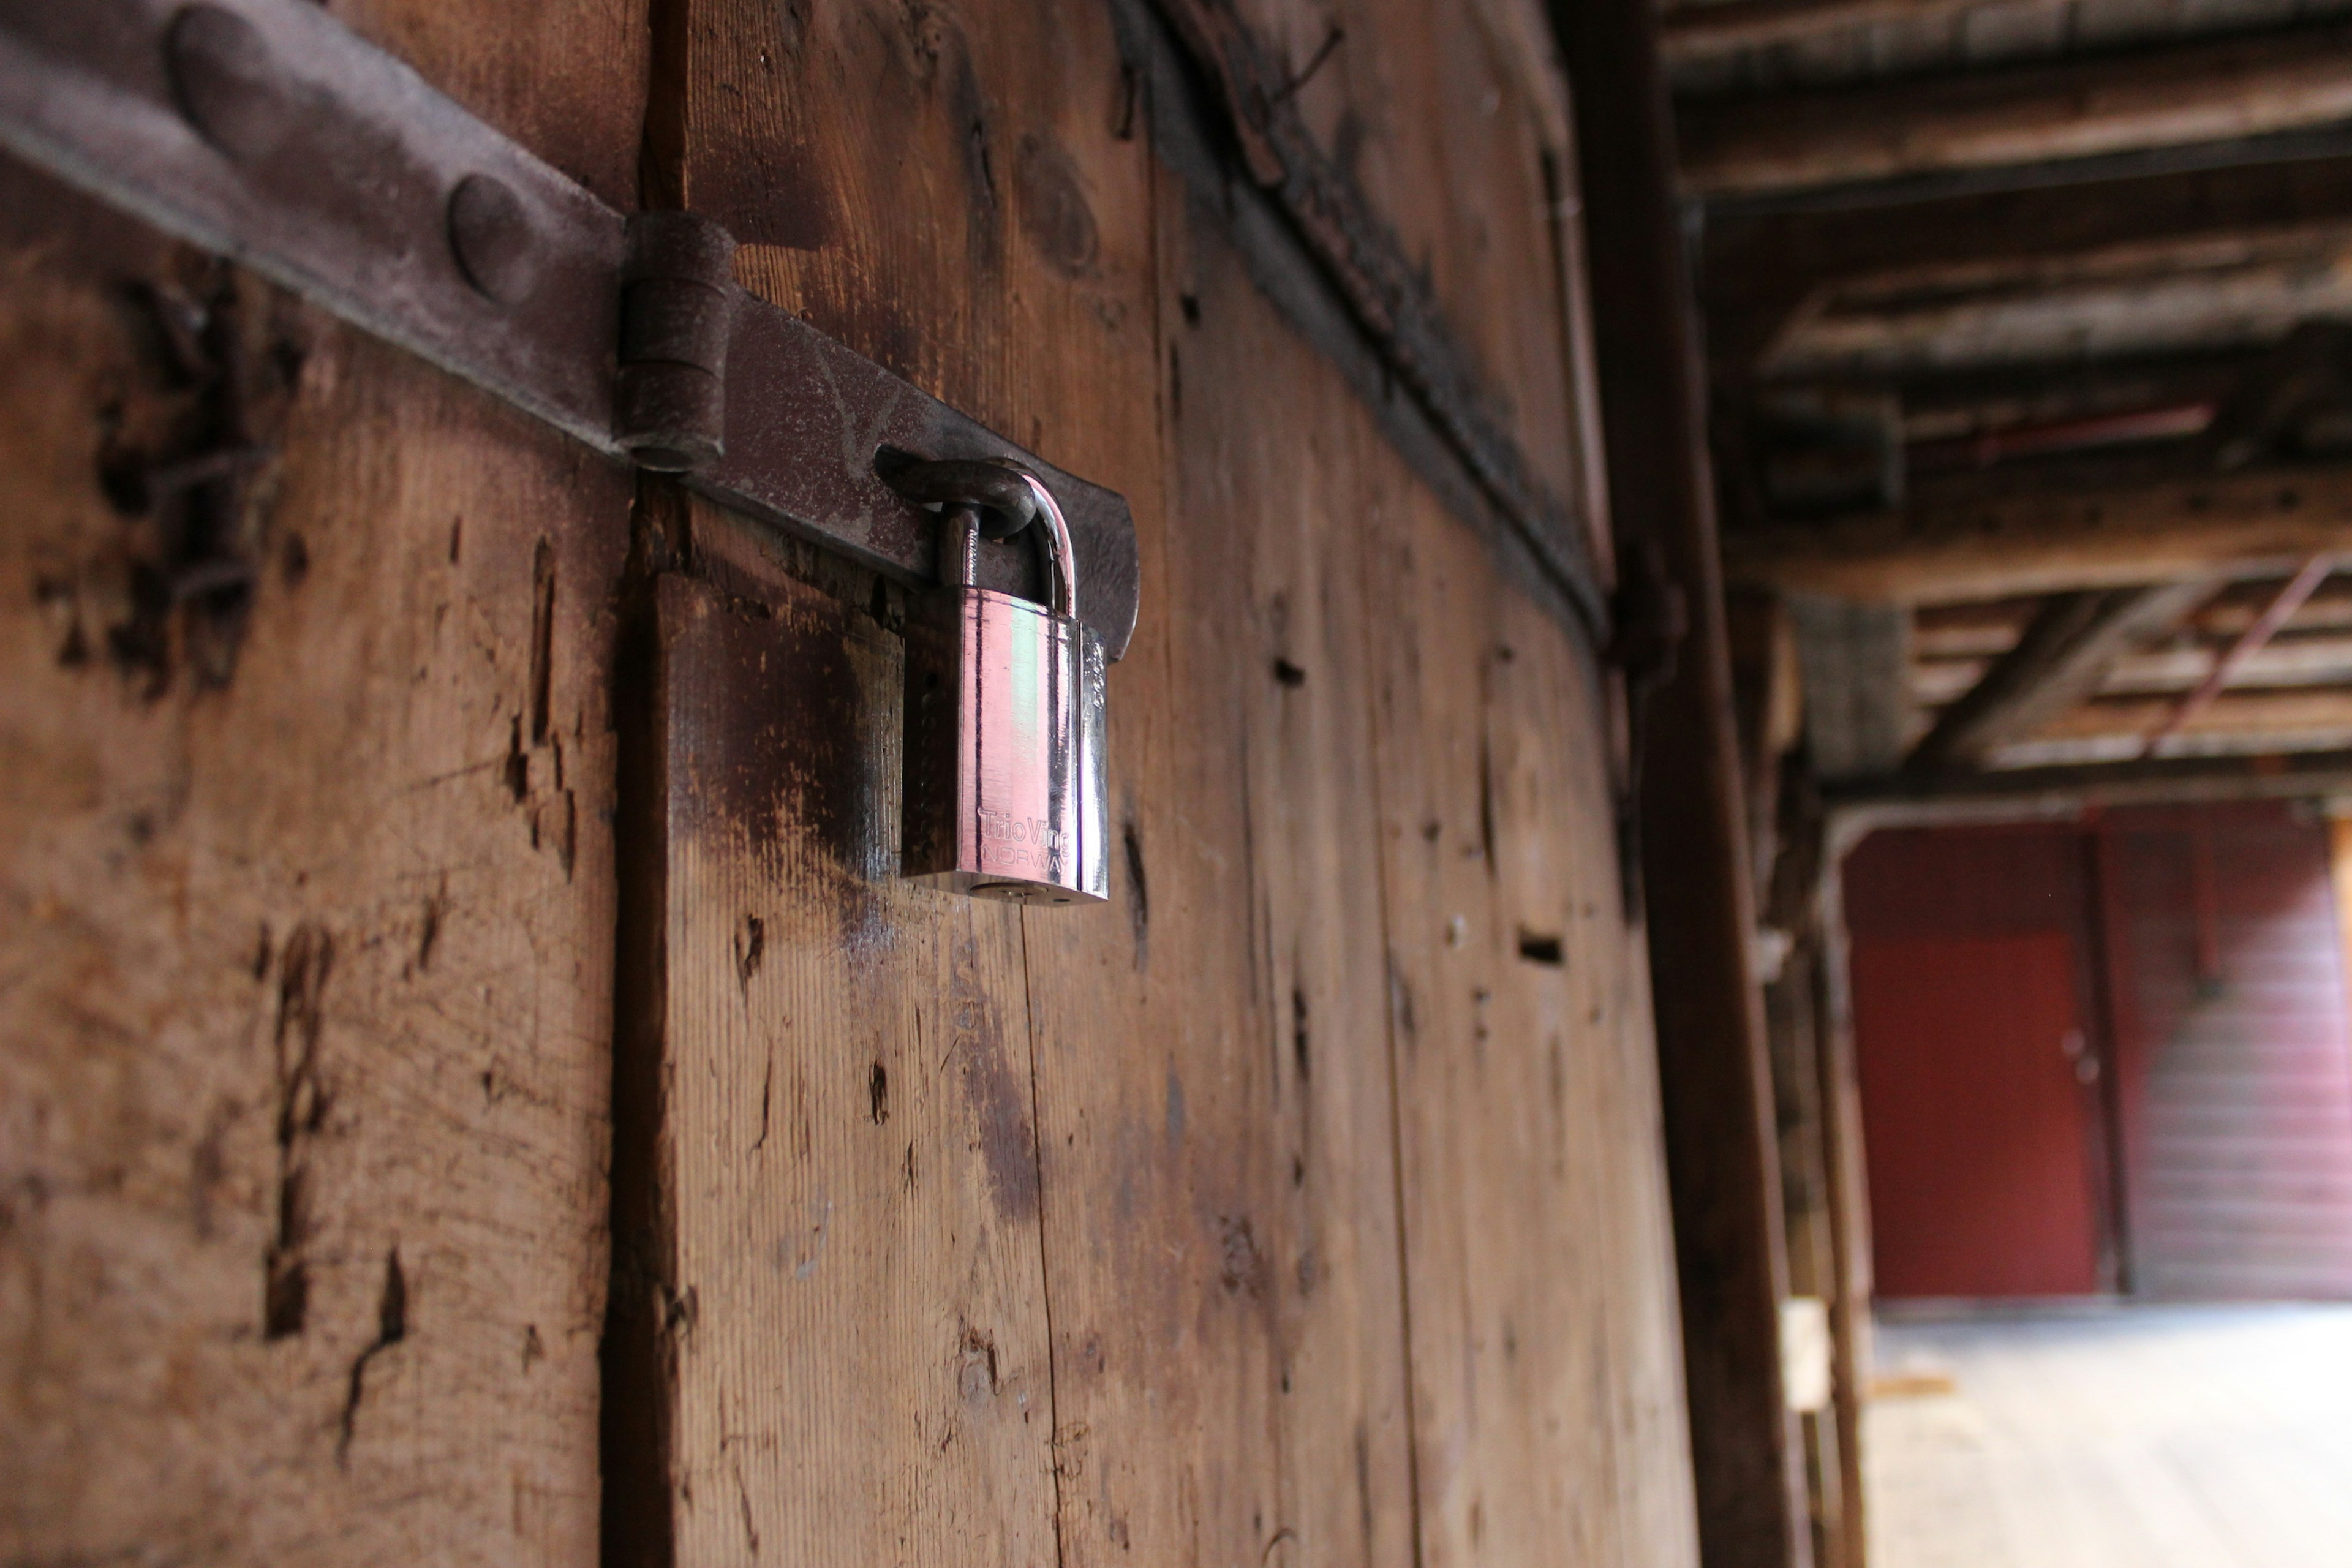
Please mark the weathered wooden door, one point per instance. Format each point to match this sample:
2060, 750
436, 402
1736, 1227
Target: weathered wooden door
369, 1199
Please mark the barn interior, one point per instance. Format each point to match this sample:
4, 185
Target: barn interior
2021, 362
1714, 923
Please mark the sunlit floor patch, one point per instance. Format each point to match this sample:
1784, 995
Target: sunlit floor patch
2115, 1437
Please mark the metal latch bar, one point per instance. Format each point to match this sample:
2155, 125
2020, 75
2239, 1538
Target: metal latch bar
268, 132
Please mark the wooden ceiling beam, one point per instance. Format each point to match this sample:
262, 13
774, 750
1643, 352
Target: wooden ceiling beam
2041, 542
1693, 31
2065, 652
1756, 269
2274, 716
2205, 91
2030, 793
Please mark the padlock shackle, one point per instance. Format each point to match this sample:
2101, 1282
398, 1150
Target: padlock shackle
1062, 564
998, 486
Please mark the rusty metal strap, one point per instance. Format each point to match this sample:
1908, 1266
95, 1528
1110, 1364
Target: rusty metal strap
1261, 139
266, 132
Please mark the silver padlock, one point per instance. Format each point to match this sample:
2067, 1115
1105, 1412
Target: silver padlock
1005, 787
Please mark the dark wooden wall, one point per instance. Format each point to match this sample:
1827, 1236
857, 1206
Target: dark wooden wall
1303, 1204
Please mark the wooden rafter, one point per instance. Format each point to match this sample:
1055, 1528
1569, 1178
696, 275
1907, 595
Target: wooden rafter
1689, 32
2054, 791
2039, 542
2060, 660
1757, 270
2207, 90
2249, 642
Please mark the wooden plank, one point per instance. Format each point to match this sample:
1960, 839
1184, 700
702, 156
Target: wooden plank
2028, 543
967, 200
309, 900
1703, 29
844, 1237
2027, 794
1218, 1148
1709, 1017
1258, 133
310, 894
1756, 269
2064, 653
2285, 712
1803, 1113
1467, 186
2207, 90
2197, 295
1546, 1378
1217, 1203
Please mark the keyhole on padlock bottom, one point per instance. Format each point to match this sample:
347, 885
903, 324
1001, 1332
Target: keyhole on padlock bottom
1021, 893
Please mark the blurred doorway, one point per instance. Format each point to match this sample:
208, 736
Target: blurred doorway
2107, 1056
1982, 1143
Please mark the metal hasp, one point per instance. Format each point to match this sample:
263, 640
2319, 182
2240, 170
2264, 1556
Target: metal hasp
266, 132
1006, 795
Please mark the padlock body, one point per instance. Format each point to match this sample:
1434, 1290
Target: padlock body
1005, 788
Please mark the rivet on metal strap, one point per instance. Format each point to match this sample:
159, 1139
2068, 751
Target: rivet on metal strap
228, 85
490, 235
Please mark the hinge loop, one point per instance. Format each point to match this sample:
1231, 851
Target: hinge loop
677, 312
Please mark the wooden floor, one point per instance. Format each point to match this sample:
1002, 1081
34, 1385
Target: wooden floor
2118, 1437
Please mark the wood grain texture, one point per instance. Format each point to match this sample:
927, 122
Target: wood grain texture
941, 1231
308, 991
305, 889
1219, 1234
846, 1147
2207, 90
1533, 1211
1455, 126
1221, 1200
2027, 541
1722, 1157
967, 200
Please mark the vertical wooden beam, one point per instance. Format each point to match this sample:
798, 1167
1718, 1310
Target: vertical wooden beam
1723, 1167
1848, 1179
2339, 870
1795, 1020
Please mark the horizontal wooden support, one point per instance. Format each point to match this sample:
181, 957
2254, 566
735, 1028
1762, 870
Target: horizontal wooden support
2158, 530
2283, 714
1756, 269
1692, 32
2061, 657
2031, 792
2309, 660
2286, 660
2207, 90
2174, 296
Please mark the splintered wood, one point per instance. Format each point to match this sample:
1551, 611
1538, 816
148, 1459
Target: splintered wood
1303, 1204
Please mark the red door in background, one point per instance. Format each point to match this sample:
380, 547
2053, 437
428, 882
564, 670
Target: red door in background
1983, 1119
1982, 1151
